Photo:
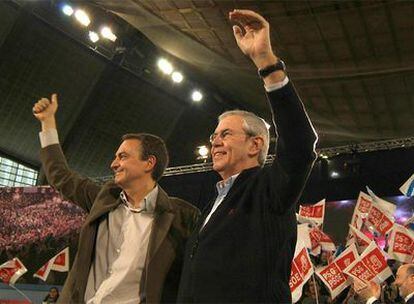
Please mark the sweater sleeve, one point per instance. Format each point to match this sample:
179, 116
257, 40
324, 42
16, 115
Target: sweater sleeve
295, 147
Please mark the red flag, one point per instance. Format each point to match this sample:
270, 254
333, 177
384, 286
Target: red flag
401, 244
11, 271
301, 271
332, 275
371, 265
314, 212
59, 262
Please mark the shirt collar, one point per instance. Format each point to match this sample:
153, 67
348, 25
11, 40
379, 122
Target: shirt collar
147, 205
224, 186
409, 297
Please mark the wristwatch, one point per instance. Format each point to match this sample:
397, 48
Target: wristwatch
278, 66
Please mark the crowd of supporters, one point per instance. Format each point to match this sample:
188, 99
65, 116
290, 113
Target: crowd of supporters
32, 217
315, 291
36, 224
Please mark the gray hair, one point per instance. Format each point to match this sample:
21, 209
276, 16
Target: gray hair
253, 125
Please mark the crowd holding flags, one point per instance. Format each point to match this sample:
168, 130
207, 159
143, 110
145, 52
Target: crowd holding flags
13, 269
362, 258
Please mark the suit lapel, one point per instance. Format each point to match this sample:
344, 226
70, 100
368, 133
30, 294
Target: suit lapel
234, 190
163, 219
107, 200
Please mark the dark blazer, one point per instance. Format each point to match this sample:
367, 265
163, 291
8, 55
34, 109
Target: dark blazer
244, 252
174, 220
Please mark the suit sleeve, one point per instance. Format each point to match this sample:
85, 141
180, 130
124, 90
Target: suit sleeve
80, 190
295, 147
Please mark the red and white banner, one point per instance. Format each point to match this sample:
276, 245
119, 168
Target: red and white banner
319, 238
371, 265
386, 206
301, 271
360, 239
363, 203
357, 223
401, 244
379, 220
59, 262
315, 213
303, 235
332, 275
11, 271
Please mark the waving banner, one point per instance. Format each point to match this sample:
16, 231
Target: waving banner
59, 262
371, 265
401, 244
301, 271
315, 213
332, 275
11, 271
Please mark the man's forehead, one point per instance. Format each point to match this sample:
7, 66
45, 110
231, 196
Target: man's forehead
128, 145
232, 122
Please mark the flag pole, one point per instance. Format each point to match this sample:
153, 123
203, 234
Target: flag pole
316, 289
20, 292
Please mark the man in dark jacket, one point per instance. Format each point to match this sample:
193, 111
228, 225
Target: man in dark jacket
244, 242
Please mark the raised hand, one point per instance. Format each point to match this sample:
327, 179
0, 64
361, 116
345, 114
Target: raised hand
253, 38
45, 109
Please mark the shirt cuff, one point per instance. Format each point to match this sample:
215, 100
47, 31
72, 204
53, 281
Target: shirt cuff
277, 85
371, 300
48, 138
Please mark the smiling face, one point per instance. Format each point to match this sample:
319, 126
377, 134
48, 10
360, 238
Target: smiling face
128, 166
232, 149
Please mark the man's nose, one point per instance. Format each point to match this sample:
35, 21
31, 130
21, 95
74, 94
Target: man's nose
114, 165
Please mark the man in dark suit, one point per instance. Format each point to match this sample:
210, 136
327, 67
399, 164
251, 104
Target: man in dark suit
371, 292
244, 242
131, 245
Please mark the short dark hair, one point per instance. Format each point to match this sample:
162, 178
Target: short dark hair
152, 145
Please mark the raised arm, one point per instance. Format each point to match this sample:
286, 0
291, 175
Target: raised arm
82, 191
296, 138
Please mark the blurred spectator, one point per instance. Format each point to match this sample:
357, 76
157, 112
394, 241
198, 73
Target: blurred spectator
52, 296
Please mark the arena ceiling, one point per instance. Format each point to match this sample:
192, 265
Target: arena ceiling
351, 61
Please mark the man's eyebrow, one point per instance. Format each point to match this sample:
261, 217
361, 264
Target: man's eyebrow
121, 153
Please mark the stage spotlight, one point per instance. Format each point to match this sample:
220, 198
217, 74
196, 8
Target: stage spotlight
177, 77
67, 10
93, 36
106, 32
334, 174
165, 66
196, 96
202, 152
82, 17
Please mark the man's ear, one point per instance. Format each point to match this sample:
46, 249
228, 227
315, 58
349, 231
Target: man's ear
256, 145
151, 162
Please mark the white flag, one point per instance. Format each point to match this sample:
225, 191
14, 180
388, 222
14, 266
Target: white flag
408, 187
